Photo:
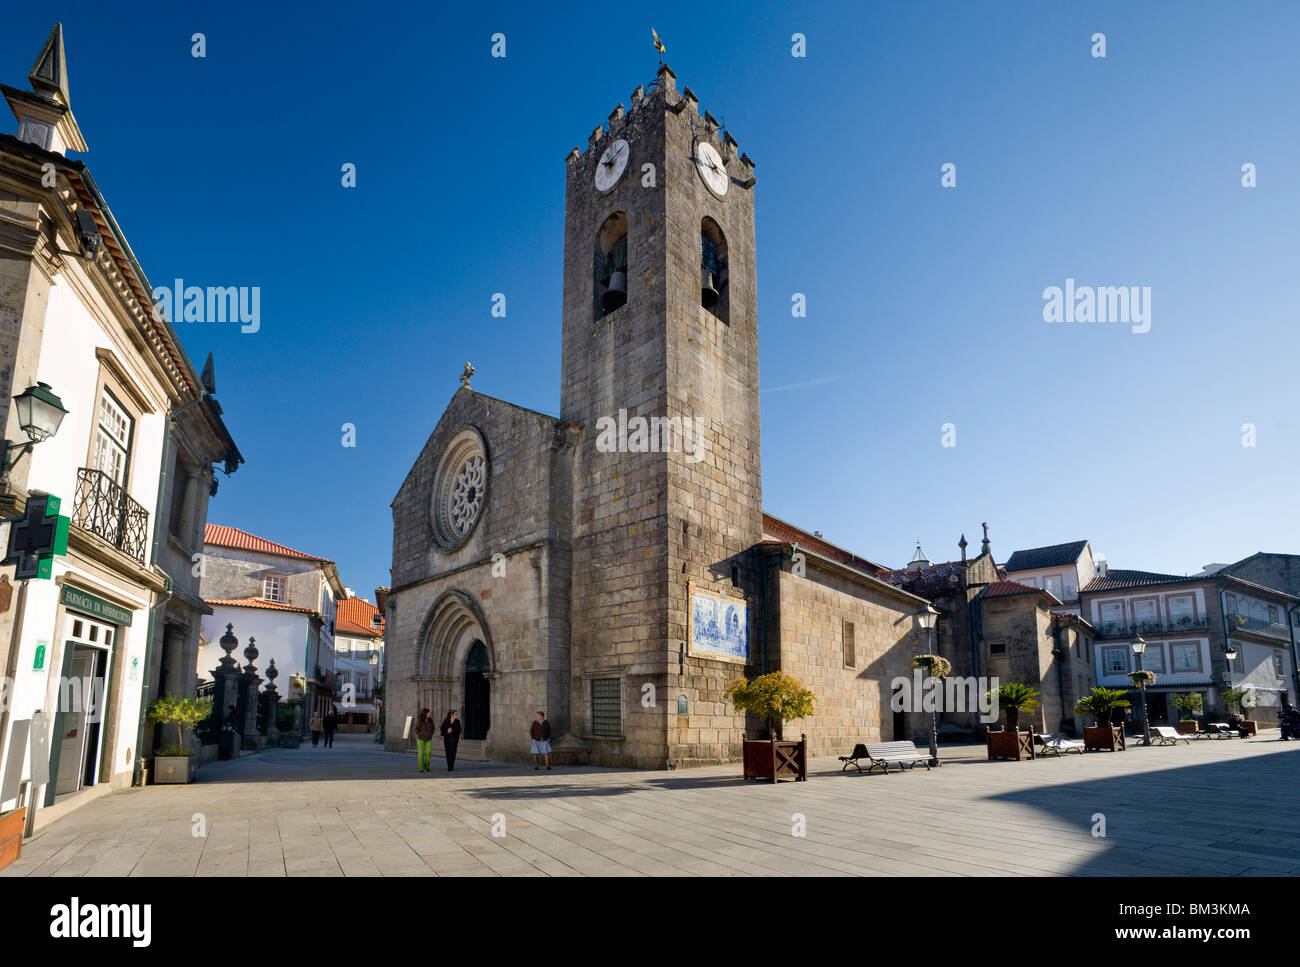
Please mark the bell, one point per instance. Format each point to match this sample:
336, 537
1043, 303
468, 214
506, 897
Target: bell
708, 294
616, 294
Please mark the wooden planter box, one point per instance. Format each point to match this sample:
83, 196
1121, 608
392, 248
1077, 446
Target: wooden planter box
1011, 745
1103, 738
1188, 727
11, 835
1250, 728
174, 769
774, 759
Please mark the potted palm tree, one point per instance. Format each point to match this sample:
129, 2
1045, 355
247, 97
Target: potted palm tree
1012, 698
773, 697
1100, 703
177, 764
1189, 705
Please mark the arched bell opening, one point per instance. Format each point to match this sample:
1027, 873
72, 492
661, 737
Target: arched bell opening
714, 288
610, 265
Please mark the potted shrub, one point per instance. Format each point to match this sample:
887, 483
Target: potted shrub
1189, 705
1100, 703
773, 697
1012, 698
11, 835
176, 763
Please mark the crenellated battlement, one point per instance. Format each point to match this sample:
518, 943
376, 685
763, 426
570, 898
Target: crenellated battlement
665, 92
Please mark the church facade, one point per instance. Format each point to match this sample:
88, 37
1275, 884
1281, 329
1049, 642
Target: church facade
614, 567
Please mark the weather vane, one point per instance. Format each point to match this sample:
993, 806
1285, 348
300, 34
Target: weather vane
659, 46
464, 376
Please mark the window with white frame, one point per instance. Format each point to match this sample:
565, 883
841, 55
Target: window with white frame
1230, 603
363, 684
1115, 660
112, 439
1153, 659
1185, 657
1052, 585
1272, 614
275, 587
1182, 610
1145, 614
1279, 667
1112, 616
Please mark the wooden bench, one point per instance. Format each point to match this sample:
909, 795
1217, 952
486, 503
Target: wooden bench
1166, 735
1056, 743
883, 754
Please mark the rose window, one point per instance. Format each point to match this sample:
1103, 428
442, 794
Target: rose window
459, 489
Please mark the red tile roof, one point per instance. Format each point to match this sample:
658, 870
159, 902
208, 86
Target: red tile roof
256, 603
244, 541
355, 617
1003, 589
789, 533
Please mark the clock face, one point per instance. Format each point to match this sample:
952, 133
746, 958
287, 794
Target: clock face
712, 171
612, 165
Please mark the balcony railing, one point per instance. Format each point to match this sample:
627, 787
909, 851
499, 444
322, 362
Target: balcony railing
1119, 629
1261, 626
106, 510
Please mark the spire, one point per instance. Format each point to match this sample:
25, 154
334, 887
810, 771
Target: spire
962, 544
49, 75
919, 561
45, 114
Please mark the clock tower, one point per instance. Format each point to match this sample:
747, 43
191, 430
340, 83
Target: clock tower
660, 367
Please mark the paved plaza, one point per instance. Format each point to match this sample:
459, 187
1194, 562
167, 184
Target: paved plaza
1207, 808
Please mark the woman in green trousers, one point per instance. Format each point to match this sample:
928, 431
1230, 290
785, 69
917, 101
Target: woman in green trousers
424, 738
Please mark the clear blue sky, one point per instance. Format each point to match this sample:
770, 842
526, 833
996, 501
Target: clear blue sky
924, 304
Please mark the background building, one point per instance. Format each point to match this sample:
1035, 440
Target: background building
283, 598
359, 661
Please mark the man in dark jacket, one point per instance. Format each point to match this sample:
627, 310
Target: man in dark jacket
331, 726
450, 731
540, 733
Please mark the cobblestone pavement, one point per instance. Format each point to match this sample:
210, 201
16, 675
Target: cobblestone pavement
1209, 808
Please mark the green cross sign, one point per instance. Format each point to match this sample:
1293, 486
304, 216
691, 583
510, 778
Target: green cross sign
36, 537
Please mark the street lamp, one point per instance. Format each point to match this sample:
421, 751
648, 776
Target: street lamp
1229, 653
925, 619
374, 684
40, 413
1139, 645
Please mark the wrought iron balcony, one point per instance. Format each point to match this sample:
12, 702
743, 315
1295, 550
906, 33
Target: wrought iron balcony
1123, 629
1261, 626
104, 509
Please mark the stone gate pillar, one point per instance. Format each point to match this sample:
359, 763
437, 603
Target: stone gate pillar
250, 681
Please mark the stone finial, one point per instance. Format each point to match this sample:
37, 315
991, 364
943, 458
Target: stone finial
984, 548
962, 544
251, 654
272, 672
228, 644
466, 373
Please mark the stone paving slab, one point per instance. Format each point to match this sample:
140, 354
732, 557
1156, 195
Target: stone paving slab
1222, 808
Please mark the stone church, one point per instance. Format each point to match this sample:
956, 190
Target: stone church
614, 567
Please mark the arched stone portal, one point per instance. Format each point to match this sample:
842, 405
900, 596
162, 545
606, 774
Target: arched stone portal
455, 662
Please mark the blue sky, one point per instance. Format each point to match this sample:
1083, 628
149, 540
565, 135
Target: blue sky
924, 303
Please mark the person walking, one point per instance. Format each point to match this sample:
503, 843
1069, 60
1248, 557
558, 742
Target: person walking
315, 726
540, 733
424, 739
331, 723
450, 730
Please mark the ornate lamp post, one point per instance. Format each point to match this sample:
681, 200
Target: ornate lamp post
1230, 654
925, 619
1139, 645
374, 679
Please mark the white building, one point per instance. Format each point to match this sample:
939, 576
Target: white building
1061, 570
284, 599
130, 461
359, 658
